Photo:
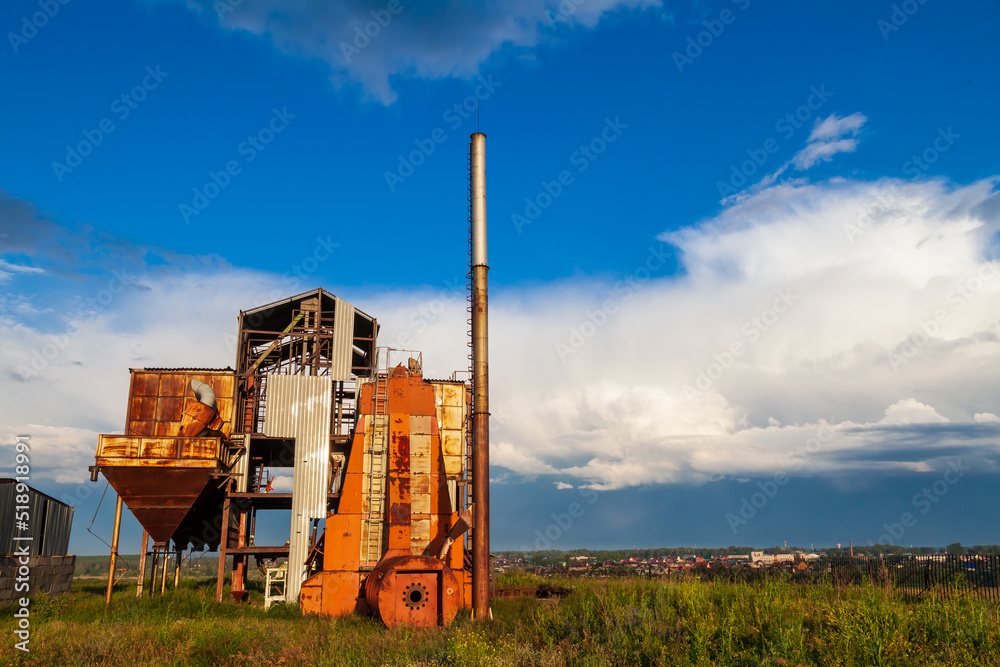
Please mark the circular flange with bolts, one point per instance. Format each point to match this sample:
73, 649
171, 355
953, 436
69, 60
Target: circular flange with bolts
430, 599
415, 596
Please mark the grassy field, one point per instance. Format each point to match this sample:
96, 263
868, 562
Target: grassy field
600, 622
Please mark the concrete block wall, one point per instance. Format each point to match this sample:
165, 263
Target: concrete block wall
53, 574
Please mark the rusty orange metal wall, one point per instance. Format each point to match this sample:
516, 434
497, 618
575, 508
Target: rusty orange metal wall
399, 481
159, 474
123, 450
420, 509
157, 399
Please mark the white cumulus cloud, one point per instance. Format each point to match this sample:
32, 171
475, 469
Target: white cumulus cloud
816, 329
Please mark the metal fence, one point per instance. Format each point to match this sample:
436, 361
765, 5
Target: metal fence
947, 576
950, 576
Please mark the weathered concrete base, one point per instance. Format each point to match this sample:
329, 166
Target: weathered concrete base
53, 574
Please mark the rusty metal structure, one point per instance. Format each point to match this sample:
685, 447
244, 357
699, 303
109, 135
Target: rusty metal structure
388, 470
394, 546
169, 463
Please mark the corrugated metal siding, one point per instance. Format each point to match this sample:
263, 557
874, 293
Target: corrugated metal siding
342, 354
6, 518
242, 469
299, 407
58, 520
49, 523
37, 504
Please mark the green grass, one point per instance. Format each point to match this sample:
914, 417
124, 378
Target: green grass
599, 622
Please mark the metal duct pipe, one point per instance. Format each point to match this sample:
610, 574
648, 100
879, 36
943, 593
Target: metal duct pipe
204, 393
480, 386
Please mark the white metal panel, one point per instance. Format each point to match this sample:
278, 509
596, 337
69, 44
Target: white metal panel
241, 468
420, 534
420, 425
342, 354
453, 466
298, 406
420, 482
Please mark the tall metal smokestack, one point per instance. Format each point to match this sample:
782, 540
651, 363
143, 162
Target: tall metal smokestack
480, 385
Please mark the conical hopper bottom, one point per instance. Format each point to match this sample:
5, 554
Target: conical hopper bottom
159, 498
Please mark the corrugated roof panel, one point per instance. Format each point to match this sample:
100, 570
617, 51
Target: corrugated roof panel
299, 407
227, 369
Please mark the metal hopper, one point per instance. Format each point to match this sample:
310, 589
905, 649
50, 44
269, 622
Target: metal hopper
167, 467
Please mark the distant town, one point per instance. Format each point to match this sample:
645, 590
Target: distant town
683, 558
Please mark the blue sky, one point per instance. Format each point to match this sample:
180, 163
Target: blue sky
796, 199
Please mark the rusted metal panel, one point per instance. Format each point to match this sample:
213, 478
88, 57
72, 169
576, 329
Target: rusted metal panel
298, 406
145, 384
420, 446
421, 533
169, 429
420, 464
451, 406
144, 408
158, 399
169, 409
421, 458
421, 503
118, 449
334, 593
420, 425
454, 466
160, 497
398, 476
174, 384
422, 484
452, 393
117, 446
341, 544
452, 442
452, 417
416, 591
